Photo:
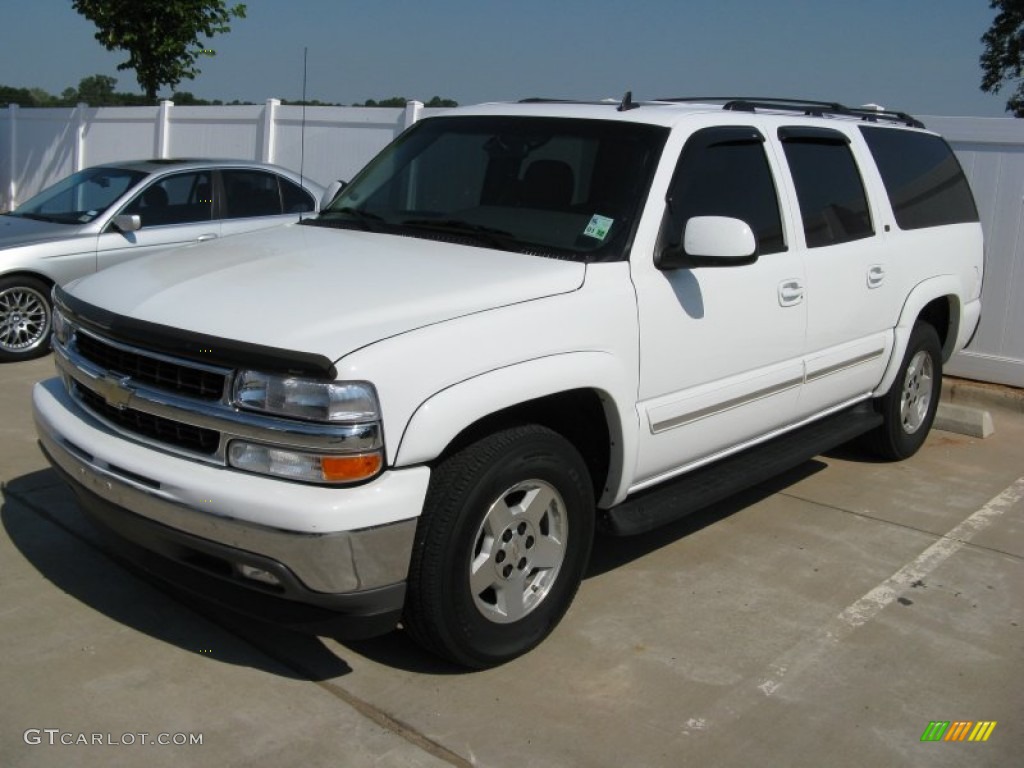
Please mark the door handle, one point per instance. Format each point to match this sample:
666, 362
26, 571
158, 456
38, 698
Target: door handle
204, 238
876, 275
790, 292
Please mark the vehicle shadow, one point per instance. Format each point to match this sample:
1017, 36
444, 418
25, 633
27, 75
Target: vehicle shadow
611, 552
40, 516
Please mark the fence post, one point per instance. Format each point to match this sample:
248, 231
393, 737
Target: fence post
270, 130
163, 128
78, 156
412, 112
10, 201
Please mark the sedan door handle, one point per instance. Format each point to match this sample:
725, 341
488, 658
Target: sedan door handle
876, 275
204, 238
790, 292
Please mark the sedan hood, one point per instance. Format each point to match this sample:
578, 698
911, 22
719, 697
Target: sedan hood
17, 230
324, 291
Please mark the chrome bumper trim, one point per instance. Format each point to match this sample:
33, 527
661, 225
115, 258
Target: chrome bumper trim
334, 563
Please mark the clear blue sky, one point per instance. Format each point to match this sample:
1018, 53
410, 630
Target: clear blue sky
920, 56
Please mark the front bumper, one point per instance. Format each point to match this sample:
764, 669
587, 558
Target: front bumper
192, 516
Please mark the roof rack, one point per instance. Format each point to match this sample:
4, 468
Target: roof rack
624, 105
807, 107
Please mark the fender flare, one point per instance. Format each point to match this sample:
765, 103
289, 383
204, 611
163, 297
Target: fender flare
445, 414
941, 287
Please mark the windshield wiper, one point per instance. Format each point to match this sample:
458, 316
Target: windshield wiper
40, 217
496, 238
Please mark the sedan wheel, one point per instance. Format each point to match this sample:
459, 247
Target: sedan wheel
24, 319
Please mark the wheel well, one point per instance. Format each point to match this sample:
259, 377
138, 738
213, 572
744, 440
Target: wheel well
577, 415
34, 275
937, 314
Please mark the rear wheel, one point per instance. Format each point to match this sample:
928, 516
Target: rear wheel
501, 546
909, 407
25, 318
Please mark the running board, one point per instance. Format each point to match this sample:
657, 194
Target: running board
677, 498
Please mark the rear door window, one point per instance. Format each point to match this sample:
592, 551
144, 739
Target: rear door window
250, 193
833, 204
924, 180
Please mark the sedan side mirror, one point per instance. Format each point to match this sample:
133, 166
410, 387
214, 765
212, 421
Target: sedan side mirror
711, 241
128, 222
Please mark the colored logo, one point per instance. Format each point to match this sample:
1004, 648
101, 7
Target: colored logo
958, 730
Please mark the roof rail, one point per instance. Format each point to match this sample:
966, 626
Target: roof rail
806, 106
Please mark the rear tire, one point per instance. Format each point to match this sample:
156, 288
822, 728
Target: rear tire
501, 546
908, 409
25, 318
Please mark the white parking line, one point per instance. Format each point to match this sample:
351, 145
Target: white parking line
867, 607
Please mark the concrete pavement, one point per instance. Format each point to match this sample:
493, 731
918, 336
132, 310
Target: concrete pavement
823, 619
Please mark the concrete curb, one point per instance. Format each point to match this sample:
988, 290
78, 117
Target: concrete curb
964, 420
982, 395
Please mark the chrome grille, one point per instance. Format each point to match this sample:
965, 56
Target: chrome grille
186, 436
167, 375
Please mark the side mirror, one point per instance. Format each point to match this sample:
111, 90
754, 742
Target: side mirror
126, 222
333, 190
711, 241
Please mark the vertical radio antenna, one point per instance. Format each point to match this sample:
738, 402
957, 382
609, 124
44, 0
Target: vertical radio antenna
302, 129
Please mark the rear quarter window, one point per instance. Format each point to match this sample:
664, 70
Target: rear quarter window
924, 180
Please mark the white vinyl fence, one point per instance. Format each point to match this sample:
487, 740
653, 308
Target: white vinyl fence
41, 146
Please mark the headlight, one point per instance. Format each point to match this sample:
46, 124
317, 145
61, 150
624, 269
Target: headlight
324, 402
307, 399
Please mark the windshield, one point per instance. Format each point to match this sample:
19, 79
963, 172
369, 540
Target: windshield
81, 197
567, 188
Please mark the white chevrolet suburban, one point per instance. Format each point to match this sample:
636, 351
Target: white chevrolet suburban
518, 324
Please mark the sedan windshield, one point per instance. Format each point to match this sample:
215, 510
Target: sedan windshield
81, 197
567, 188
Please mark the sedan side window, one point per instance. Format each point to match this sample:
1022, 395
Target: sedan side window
724, 172
182, 198
250, 193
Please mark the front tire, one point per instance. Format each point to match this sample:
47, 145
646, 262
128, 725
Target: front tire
908, 409
501, 546
25, 318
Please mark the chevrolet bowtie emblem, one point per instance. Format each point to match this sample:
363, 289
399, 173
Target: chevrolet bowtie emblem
115, 391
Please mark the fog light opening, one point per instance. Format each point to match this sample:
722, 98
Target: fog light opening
258, 574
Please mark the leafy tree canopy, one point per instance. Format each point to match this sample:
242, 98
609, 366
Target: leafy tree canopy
1003, 58
160, 36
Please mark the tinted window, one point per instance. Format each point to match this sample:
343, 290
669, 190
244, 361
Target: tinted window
295, 198
926, 186
724, 172
182, 198
833, 205
250, 193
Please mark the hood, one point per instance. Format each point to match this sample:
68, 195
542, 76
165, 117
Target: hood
324, 291
17, 230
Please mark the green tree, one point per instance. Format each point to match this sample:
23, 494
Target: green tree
97, 90
1003, 59
160, 36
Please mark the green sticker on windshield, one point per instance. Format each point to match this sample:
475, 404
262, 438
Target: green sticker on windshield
598, 227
